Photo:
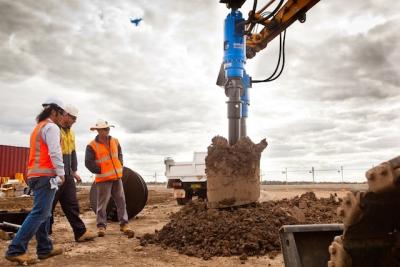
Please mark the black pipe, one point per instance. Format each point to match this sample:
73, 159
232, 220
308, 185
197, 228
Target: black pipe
233, 90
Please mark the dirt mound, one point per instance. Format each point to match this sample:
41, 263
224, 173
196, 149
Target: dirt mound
245, 231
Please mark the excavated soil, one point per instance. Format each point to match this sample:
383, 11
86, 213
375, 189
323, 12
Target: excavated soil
246, 231
233, 172
241, 159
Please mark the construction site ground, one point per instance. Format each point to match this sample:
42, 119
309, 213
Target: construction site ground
117, 250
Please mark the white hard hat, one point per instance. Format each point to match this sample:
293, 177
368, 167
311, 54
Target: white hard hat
53, 100
71, 110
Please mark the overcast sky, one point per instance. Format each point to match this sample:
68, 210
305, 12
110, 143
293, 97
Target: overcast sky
337, 102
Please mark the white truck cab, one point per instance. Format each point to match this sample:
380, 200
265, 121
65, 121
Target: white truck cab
188, 179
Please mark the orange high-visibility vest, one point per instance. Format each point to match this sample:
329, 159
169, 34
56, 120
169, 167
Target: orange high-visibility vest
39, 163
110, 165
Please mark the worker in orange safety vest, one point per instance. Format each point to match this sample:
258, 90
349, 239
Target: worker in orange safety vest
45, 174
104, 158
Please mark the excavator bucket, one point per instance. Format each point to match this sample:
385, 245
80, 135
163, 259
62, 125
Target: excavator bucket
307, 245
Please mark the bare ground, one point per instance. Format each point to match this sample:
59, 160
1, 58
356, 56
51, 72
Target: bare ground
116, 250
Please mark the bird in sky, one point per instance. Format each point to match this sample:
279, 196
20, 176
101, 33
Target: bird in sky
136, 21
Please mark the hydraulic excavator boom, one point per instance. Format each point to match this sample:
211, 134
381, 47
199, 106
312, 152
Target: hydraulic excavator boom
274, 25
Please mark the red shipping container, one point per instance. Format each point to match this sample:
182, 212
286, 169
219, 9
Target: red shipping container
13, 160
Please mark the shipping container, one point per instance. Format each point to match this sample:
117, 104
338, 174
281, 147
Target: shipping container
13, 160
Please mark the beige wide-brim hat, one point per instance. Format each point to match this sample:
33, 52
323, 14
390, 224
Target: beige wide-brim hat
101, 124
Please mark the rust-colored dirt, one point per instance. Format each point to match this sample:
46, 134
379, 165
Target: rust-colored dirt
233, 172
245, 231
241, 159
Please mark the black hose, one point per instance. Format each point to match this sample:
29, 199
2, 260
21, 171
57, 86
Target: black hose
254, 6
281, 54
283, 59
272, 13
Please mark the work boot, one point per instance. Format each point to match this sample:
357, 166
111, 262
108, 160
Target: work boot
101, 231
22, 259
127, 231
87, 236
54, 252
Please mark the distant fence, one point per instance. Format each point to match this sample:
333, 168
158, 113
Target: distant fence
316, 175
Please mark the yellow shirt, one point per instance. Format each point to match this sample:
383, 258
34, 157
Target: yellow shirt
67, 141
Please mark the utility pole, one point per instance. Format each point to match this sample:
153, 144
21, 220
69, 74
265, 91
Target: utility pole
155, 177
341, 170
286, 174
313, 172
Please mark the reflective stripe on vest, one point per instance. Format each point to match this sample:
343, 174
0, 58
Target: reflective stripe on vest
39, 159
103, 175
107, 160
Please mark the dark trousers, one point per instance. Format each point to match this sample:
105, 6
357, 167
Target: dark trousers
66, 195
38, 220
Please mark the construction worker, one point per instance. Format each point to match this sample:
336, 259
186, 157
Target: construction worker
66, 194
45, 174
104, 159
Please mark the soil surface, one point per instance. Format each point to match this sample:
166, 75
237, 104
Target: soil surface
162, 212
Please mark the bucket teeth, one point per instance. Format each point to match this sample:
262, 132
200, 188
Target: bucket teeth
382, 178
338, 255
350, 210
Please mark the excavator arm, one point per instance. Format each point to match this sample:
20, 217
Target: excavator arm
288, 13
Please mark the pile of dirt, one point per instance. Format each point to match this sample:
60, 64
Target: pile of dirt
245, 231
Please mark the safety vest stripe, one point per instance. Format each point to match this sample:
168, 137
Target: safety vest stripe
119, 171
103, 159
41, 170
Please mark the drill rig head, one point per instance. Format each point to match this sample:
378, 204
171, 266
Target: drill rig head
234, 4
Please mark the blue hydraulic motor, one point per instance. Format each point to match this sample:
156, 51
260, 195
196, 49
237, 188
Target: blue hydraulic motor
233, 75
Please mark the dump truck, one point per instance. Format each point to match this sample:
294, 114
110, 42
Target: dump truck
187, 179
